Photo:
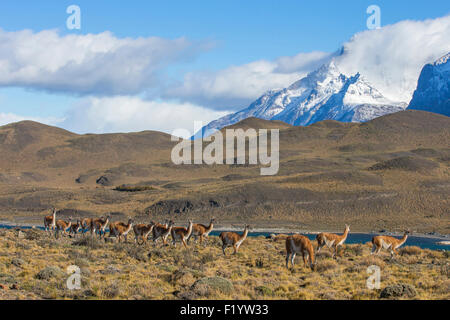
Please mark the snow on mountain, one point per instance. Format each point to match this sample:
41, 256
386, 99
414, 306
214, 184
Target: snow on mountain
323, 94
433, 88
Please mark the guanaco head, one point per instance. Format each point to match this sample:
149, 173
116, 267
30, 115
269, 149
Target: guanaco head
130, 221
347, 228
213, 220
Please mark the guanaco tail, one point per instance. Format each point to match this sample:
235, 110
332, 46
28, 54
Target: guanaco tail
181, 234
388, 243
120, 229
299, 244
202, 231
232, 239
332, 240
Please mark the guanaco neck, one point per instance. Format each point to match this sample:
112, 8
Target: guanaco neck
189, 230
403, 240
54, 218
129, 225
244, 235
211, 226
344, 236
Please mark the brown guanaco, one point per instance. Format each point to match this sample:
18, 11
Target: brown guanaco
299, 244
181, 234
388, 243
50, 221
120, 229
332, 240
232, 239
202, 231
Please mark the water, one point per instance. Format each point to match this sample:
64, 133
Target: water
352, 238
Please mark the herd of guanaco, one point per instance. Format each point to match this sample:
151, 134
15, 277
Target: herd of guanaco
295, 244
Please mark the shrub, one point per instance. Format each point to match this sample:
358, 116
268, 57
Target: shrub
50, 272
325, 265
212, 285
90, 242
264, 291
410, 251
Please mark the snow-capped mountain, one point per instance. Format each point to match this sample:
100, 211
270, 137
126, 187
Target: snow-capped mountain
433, 88
323, 94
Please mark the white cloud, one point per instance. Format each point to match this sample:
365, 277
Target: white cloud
392, 57
99, 64
236, 86
129, 114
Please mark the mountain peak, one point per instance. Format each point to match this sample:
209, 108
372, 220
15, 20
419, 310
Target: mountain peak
324, 94
442, 60
433, 87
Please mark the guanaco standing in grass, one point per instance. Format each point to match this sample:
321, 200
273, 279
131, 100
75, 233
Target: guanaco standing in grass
86, 224
299, 244
332, 240
50, 221
63, 226
142, 230
162, 231
120, 229
202, 231
232, 239
99, 224
388, 243
74, 228
181, 234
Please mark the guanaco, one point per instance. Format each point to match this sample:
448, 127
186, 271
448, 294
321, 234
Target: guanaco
86, 224
388, 243
99, 224
181, 234
142, 230
233, 239
63, 226
50, 221
120, 229
332, 240
299, 244
74, 228
161, 231
202, 231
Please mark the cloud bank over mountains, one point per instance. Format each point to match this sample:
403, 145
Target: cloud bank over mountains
92, 64
124, 83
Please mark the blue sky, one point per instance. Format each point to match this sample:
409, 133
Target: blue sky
234, 33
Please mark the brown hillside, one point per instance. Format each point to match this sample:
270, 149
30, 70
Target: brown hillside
388, 173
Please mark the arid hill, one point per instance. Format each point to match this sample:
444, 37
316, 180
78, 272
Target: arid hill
387, 173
